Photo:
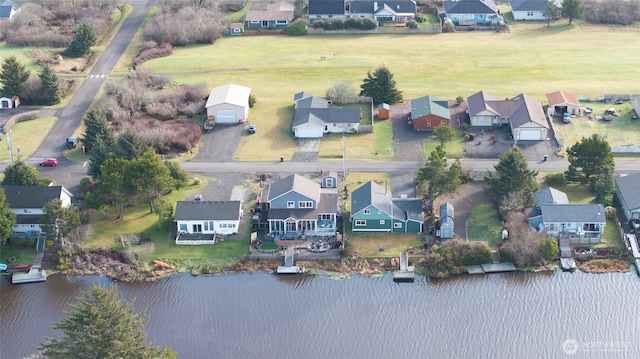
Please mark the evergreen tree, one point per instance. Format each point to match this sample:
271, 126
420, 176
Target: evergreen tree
20, 174
98, 155
100, 325
7, 218
604, 186
381, 87
150, 176
116, 177
83, 40
588, 157
512, 175
436, 177
50, 91
444, 133
58, 221
129, 145
180, 176
96, 126
572, 9
13, 76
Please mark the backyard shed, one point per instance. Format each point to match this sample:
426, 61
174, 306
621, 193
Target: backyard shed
9, 102
561, 102
446, 225
228, 104
383, 111
236, 29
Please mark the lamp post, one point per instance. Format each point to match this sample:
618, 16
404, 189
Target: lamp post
10, 146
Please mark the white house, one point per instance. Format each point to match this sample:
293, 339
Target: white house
529, 9
228, 104
208, 217
314, 116
628, 191
27, 202
9, 10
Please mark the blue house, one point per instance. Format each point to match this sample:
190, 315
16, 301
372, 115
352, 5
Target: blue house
277, 16
472, 12
374, 210
296, 205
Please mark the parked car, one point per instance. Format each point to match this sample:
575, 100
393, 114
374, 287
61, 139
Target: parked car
18, 268
252, 128
198, 198
566, 117
635, 223
49, 162
72, 142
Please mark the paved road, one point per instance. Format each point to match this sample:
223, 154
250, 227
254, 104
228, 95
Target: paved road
70, 116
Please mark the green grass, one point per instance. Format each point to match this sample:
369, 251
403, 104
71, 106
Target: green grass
22, 54
484, 225
453, 148
235, 17
578, 193
269, 246
359, 146
26, 138
367, 245
611, 238
23, 255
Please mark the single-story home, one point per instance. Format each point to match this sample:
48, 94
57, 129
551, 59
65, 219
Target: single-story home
208, 217
530, 9
28, 202
314, 116
628, 192
523, 113
472, 12
8, 102
326, 9
9, 10
428, 112
228, 104
549, 196
561, 102
393, 11
277, 16
373, 209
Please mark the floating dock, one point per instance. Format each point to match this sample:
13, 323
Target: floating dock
631, 238
406, 273
491, 268
34, 275
568, 264
289, 267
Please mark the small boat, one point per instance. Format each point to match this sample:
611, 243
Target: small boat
3, 267
19, 268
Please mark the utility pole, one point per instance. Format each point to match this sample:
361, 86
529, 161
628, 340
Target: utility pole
10, 146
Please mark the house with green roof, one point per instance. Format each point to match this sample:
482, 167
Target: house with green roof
429, 112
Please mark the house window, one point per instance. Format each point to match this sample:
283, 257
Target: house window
305, 204
206, 226
236, 30
325, 217
211, 227
481, 16
361, 222
281, 22
481, 119
552, 226
428, 123
232, 225
382, 221
529, 13
291, 204
366, 211
397, 225
255, 21
330, 182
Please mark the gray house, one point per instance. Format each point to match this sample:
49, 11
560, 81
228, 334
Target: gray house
628, 191
326, 9
314, 116
446, 226
550, 195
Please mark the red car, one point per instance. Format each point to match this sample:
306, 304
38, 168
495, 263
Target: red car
49, 162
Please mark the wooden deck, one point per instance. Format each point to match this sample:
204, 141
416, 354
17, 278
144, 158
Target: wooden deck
34, 275
405, 273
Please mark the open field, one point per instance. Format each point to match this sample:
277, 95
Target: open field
578, 193
26, 137
445, 65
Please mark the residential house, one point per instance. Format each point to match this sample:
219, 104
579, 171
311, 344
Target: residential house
28, 202
208, 217
228, 104
554, 215
395, 11
561, 102
296, 205
373, 209
530, 9
628, 192
326, 9
472, 12
236, 29
314, 116
446, 221
8, 102
9, 10
523, 113
277, 16
429, 112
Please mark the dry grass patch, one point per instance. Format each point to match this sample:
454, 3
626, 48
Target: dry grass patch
376, 245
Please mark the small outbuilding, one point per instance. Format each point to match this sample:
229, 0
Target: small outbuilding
446, 225
236, 29
228, 104
9, 102
383, 111
561, 102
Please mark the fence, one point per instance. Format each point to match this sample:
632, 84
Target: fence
434, 29
365, 128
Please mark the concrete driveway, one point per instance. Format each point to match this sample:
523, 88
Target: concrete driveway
307, 150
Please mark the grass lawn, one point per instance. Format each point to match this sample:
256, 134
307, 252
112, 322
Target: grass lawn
484, 225
22, 54
611, 237
453, 148
277, 67
23, 255
578, 193
368, 244
359, 146
26, 137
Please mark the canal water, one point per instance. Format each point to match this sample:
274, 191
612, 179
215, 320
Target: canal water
261, 315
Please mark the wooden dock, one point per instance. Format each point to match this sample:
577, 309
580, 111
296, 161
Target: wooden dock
491, 268
34, 275
635, 251
568, 264
406, 273
289, 266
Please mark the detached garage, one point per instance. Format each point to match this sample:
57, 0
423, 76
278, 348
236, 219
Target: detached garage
228, 104
561, 102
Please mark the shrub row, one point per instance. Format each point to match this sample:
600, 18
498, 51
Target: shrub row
154, 52
359, 23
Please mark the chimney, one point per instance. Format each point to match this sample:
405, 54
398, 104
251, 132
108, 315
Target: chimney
599, 209
375, 5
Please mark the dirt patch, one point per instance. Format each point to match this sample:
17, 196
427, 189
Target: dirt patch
468, 196
58, 63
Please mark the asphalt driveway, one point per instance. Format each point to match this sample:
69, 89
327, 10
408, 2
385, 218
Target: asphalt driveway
219, 144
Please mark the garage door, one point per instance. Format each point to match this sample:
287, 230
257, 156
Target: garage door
226, 116
530, 135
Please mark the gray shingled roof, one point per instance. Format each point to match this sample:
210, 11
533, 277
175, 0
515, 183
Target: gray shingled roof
28, 218
207, 210
478, 102
322, 116
326, 7
629, 187
470, 7
31, 196
529, 110
446, 210
311, 101
268, 15
550, 195
369, 194
528, 5
367, 6
573, 213
429, 105
297, 183
410, 209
